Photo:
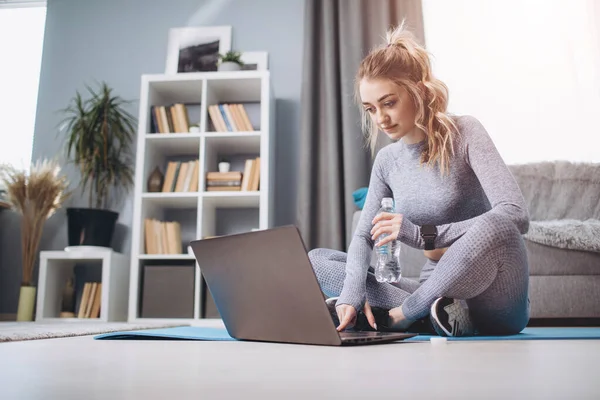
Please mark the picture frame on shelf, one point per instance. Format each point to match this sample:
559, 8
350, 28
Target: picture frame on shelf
255, 61
196, 49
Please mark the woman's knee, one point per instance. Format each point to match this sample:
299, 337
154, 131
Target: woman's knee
498, 227
323, 255
317, 256
329, 271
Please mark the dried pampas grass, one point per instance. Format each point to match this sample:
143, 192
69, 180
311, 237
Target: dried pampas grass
36, 195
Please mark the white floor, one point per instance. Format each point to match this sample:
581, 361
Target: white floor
83, 368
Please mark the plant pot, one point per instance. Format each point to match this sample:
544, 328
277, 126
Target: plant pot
224, 166
229, 66
26, 303
91, 226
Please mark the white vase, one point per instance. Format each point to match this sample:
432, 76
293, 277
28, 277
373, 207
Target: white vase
26, 303
229, 66
224, 166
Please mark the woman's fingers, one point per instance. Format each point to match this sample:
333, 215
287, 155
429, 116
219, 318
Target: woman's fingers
385, 240
347, 317
378, 230
369, 314
381, 224
382, 230
383, 215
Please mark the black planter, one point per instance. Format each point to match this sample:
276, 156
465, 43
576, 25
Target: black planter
90, 226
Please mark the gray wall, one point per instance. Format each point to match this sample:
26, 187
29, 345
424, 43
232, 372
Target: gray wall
117, 41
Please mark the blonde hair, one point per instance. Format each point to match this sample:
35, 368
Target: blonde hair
403, 61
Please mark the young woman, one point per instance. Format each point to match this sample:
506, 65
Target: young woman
454, 197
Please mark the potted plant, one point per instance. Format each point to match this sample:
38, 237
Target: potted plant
230, 61
36, 195
99, 135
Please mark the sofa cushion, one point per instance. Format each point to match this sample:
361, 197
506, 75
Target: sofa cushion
559, 189
564, 296
548, 260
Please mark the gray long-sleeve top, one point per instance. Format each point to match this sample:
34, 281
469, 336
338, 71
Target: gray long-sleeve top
479, 182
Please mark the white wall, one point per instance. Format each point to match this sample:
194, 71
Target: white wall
528, 69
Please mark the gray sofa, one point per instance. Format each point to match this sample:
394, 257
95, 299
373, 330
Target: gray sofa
563, 242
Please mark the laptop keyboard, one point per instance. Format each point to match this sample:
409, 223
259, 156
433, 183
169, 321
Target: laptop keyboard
364, 336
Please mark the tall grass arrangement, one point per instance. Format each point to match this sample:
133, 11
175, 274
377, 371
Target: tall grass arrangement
35, 195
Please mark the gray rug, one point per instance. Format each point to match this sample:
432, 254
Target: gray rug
17, 331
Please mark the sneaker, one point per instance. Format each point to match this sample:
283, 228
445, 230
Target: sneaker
450, 318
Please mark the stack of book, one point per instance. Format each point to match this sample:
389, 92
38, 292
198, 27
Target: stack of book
223, 181
181, 176
230, 118
249, 180
169, 119
89, 306
162, 237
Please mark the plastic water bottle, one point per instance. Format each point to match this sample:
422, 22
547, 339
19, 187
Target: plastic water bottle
387, 268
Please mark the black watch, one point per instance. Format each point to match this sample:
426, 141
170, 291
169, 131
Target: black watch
429, 233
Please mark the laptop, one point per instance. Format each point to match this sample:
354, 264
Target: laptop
265, 289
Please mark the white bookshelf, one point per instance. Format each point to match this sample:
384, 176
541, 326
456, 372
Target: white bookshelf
201, 213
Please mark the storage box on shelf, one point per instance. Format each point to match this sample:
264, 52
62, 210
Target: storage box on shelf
233, 112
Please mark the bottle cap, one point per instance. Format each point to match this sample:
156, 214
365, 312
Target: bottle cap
437, 340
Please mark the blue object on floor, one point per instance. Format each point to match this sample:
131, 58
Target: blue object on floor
220, 334
176, 333
559, 333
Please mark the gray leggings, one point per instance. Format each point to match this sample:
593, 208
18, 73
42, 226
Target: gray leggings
487, 267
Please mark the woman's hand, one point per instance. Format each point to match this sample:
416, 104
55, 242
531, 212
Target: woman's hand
386, 223
347, 316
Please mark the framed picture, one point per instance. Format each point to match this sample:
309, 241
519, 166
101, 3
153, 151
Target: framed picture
255, 60
196, 49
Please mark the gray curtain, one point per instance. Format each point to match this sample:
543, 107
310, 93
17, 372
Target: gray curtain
334, 160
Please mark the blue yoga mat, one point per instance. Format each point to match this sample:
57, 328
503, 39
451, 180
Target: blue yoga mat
220, 334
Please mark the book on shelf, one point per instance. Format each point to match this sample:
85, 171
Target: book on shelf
248, 180
230, 118
172, 118
251, 177
223, 188
223, 181
89, 306
222, 176
181, 176
162, 237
